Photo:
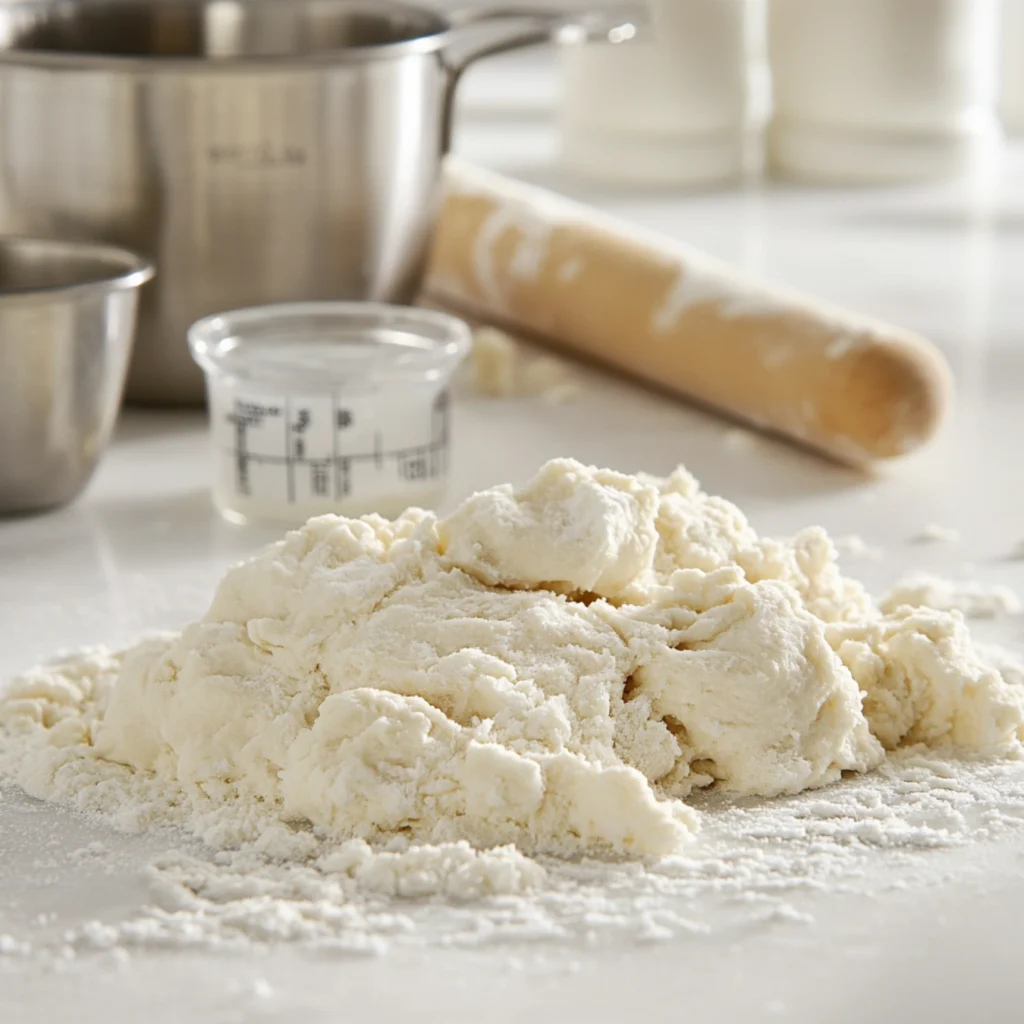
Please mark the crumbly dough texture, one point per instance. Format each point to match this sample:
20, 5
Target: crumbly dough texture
556, 667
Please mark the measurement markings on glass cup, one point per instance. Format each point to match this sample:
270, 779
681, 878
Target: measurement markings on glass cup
325, 447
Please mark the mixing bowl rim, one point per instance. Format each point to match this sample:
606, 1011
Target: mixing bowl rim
125, 268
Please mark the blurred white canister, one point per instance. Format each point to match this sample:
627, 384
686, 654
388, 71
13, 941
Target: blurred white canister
881, 90
670, 107
1011, 34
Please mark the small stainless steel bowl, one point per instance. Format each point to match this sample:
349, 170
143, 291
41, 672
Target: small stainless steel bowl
67, 322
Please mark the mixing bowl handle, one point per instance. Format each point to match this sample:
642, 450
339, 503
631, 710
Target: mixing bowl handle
485, 31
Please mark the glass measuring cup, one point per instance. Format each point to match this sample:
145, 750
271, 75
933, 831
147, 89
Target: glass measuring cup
321, 407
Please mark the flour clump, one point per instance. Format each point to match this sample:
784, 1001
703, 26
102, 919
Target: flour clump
974, 600
554, 669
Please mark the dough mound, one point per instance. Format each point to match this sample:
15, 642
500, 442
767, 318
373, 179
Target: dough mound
556, 667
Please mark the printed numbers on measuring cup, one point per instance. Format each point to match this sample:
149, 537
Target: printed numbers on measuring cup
311, 447
312, 450
252, 422
413, 466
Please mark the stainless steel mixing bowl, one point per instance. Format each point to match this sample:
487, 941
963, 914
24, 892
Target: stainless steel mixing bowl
67, 319
259, 151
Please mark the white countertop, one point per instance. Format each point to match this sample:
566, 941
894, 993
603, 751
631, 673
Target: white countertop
143, 549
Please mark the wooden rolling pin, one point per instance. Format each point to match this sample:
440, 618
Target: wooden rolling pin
535, 263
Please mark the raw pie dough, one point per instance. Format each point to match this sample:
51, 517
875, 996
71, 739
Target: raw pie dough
557, 667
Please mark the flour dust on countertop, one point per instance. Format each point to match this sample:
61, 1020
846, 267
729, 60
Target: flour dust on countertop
596, 707
757, 864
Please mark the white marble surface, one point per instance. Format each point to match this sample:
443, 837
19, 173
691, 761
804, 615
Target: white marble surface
144, 547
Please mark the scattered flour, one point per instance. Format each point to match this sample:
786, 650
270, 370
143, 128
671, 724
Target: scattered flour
703, 283
502, 368
935, 534
757, 864
392, 730
856, 548
974, 600
494, 362
738, 439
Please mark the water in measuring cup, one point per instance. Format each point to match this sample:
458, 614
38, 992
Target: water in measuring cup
343, 428
349, 359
